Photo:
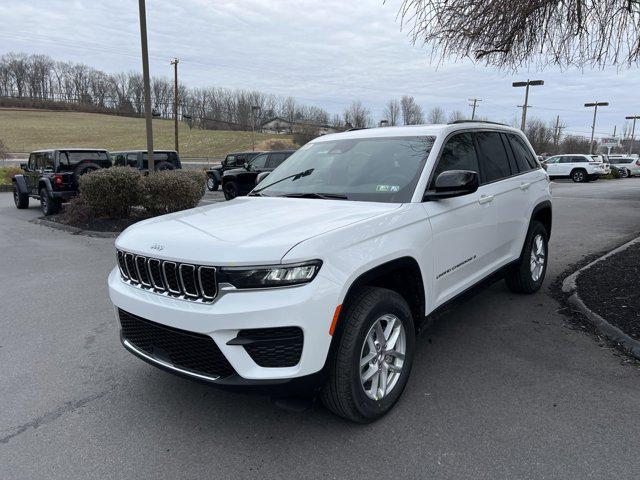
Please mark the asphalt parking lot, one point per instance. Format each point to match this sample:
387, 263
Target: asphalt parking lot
501, 387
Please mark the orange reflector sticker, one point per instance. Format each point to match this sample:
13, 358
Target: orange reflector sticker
335, 320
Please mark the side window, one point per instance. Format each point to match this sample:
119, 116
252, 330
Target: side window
32, 162
566, 160
459, 153
132, 160
230, 161
40, 162
49, 164
118, 160
259, 162
577, 159
495, 163
524, 158
276, 159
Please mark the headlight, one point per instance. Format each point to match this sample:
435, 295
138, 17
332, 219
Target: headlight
271, 276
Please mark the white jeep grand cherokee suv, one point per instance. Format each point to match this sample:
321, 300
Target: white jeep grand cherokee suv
319, 280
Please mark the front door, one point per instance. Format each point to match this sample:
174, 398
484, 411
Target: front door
463, 232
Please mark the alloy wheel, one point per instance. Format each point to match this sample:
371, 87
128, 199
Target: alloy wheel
538, 257
16, 196
382, 356
44, 204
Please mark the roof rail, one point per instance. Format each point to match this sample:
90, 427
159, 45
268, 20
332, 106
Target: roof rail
455, 122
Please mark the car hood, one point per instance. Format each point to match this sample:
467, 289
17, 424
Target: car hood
235, 171
244, 231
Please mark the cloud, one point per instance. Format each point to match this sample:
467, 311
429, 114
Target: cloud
325, 53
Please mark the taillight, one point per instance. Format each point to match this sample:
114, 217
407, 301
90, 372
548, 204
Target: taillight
57, 179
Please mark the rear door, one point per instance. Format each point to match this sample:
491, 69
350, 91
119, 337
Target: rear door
553, 166
500, 193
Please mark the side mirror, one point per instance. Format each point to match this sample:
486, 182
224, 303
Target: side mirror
453, 183
261, 176
23, 166
246, 165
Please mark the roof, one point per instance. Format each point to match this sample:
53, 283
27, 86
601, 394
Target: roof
70, 149
416, 130
143, 151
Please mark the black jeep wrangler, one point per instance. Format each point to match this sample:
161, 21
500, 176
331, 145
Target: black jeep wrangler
51, 176
139, 159
232, 160
240, 181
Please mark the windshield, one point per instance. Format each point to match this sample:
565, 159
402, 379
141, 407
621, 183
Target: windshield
383, 169
71, 158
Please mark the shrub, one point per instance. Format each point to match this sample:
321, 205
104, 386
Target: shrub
77, 211
172, 190
276, 144
111, 192
7, 173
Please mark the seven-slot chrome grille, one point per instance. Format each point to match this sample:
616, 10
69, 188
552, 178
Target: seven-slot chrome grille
181, 280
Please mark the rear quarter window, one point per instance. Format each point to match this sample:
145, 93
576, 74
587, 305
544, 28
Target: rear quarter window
525, 159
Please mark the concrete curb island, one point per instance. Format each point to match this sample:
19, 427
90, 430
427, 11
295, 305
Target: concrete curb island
613, 333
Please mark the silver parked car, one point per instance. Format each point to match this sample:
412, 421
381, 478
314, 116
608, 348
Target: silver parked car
627, 166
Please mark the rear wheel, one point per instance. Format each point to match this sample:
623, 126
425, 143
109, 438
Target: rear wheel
212, 184
370, 366
579, 176
20, 199
230, 190
527, 276
624, 173
48, 205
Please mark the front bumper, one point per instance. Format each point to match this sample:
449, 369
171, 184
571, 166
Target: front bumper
309, 307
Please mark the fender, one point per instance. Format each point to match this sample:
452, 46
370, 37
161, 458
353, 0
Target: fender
546, 204
216, 175
47, 183
21, 183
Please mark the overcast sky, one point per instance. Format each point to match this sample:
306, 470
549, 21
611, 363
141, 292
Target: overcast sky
325, 53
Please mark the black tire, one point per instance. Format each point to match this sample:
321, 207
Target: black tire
212, 184
48, 205
520, 279
624, 173
164, 166
20, 199
84, 168
230, 190
344, 393
579, 175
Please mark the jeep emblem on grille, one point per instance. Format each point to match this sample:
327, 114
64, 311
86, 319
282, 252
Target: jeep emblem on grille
157, 246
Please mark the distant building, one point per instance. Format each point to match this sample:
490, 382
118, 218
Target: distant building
282, 126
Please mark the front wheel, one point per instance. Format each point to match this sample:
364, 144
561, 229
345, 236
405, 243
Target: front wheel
625, 173
371, 363
528, 274
230, 190
212, 184
20, 199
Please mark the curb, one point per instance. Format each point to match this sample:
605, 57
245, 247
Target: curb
612, 332
73, 230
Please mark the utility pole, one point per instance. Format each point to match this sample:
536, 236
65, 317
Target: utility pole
254, 109
593, 125
148, 114
474, 105
556, 132
527, 84
633, 131
175, 62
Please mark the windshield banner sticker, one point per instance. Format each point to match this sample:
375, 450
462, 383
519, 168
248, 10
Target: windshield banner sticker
387, 188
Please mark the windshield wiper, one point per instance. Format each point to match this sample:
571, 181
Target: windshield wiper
295, 176
323, 196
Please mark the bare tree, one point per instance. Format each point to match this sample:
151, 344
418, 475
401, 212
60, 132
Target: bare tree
436, 115
357, 115
574, 144
391, 112
510, 34
411, 111
456, 115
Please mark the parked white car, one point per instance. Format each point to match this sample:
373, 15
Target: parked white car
580, 168
320, 279
627, 166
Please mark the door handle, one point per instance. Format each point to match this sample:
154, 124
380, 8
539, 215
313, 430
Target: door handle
485, 199
524, 186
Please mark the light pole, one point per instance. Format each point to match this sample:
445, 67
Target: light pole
633, 131
254, 109
148, 114
527, 84
593, 125
175, 62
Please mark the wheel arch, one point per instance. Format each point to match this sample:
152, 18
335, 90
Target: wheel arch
20, 182
46, 183
543, 213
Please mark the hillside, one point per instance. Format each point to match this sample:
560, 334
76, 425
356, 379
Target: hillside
27, 130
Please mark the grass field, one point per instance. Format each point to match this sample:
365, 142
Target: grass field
28, 130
